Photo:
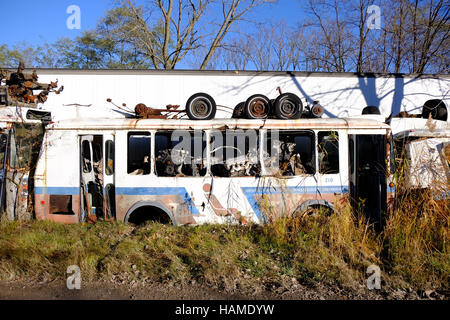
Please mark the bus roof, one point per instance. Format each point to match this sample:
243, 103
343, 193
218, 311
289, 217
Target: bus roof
18, 114
139, 124
420, 133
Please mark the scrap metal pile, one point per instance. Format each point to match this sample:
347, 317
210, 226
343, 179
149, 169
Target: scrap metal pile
19, 87
201, 106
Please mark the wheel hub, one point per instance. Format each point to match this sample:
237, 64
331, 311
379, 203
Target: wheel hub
200, 108
287, 108
258, 108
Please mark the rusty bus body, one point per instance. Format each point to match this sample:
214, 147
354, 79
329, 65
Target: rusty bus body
121, 169
21, 133
425, 146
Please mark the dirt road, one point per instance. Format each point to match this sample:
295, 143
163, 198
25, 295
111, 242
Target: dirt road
57, 290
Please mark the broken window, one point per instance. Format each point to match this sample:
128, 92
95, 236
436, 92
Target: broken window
97, 152
25, 145
60, 204
328, 146
234, 153
109, 152
86, 155
180, 153
289, 153
139, 146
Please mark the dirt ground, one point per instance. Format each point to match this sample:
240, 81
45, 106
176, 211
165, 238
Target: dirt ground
57, 290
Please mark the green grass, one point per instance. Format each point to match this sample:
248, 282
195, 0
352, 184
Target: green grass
412, 251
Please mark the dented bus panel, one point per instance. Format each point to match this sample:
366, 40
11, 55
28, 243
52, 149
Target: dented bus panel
227, 170
425, 144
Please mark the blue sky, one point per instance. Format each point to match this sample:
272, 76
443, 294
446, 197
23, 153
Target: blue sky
33, 21
36, 21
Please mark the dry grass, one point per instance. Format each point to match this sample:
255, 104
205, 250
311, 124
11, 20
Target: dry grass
43, 250
416, 240
412, 251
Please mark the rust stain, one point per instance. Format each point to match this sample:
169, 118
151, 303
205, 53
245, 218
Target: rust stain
145, 112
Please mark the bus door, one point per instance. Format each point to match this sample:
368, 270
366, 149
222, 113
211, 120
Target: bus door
92, 176
3, 158
109, 192
367, 155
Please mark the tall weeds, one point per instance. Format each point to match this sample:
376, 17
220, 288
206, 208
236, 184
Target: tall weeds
416, 237
412, 250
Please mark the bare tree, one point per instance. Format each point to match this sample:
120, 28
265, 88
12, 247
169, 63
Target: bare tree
417, 36
398, 34
360, 23
234, 55
271, 46
329, 23
430, 27
184, 27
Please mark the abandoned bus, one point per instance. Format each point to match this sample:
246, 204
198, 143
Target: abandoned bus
215, 171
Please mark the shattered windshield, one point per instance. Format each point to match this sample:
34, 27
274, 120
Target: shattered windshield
25, 144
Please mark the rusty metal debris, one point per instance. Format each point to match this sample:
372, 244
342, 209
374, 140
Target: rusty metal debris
19, 87
199, 106
145, 112
314, 111
238, 111
142, 111
202, 106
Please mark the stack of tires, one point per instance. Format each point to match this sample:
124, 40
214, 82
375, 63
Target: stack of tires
202, 106
285, 106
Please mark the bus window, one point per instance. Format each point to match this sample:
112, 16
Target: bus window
234, 153
97, 156
295, 150
180, 153
351, 147
86, 155
328, 152
25, 143
109, 167
3, 139
139, 145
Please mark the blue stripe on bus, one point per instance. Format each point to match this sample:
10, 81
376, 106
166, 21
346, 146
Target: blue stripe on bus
57, 190
159, 191
132, 191
250, 193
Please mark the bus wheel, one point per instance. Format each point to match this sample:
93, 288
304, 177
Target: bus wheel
257, 107
145, 214
201, 106
315, 211
288, 106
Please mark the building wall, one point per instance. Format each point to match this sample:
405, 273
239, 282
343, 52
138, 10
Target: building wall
342, 95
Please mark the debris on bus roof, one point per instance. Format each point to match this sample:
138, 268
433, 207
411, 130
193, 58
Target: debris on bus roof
145, 112
19, 87
142, 111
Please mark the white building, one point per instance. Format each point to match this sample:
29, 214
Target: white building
342, 94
